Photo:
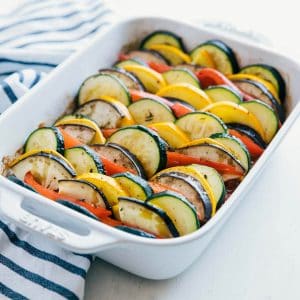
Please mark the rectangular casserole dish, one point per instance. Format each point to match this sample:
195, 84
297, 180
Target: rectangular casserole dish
154, 259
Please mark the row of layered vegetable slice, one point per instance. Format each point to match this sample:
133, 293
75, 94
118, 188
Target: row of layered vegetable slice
157, 143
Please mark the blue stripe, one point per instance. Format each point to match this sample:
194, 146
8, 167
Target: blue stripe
9, 92
36, 79
21, 76
63, 41
7, 73
73, 27
41, 254
47, 284
6, 291
45, 18
34, 63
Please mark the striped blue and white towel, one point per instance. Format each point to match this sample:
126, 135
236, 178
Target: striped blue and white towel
34, 39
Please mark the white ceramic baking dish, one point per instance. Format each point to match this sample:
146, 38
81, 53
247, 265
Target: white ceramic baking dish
155, 259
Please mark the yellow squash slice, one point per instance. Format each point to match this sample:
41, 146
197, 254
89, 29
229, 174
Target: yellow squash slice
186, 92
108, 185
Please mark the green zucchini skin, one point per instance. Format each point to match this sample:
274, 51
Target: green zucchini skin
131, 81
117, 89
142, 183
120, 155
212, 152
177, 40
96, 163
263, 91
119, 137
49, 180
148, 111
176, 203
161, 213
266, 116
75, 183
268, 73
136, 231
227, 139
251, 133
77, 208
187, 124
186, 183
104, 113
215, 180
223, 93
222, 48
181, 75
39, 135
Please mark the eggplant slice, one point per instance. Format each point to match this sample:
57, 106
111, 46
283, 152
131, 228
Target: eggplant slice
120, 156
191, 188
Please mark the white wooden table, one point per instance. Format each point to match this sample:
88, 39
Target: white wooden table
257, 254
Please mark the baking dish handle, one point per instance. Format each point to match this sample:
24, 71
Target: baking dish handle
85, 239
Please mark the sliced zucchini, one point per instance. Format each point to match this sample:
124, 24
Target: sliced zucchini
47, 167
236, 147
233, 113
259, 91
214, 153
269, 86
200, 125
84, 160
190, 188
127, 78
171, 133
188, 170
77, 208
136, 231
151, 80
107, 114
45, 138
181, 76
147, 56
266, 115
129, 62
179, 209
148, 111
99, 85
20, 182
82, 190
147, 217
192, 67
222, 55
268, 73
187, 93
108, 185
223, 93
174, 55
82, 133
215, 180
98, 137
148, 147
249, 132
135, 186
121, 156
162, 37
